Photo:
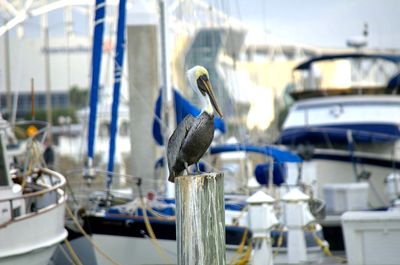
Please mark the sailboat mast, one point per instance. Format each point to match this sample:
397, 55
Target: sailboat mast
167, 113
96, 67
7, 73
46, 41
118, 68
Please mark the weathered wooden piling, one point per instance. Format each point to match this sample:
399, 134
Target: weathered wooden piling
200, 219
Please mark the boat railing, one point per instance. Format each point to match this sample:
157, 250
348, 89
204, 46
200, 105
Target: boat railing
46, 198
378, 136
88, 187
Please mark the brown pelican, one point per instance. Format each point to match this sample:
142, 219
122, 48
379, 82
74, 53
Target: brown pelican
193, 135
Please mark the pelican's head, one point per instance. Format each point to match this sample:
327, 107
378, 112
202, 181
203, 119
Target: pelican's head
200, 82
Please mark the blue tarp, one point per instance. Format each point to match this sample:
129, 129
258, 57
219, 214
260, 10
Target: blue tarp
278, 174
394, 82
261, 171
279, 155
182, 108
388, 57
366, 133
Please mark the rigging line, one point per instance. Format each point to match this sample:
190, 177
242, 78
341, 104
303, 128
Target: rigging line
150, 230
264, 15
111, 55
82, 137
230, 86
211, 14
74, 256
19, 80
227, 7
228, 75
65, 254
90, 13
91, 241
141, 97
240, 133
239, 14
218, 18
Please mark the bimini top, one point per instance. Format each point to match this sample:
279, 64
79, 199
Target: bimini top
261, 171
279, 155
388, 57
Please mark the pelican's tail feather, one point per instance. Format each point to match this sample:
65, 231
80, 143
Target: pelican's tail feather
171, 177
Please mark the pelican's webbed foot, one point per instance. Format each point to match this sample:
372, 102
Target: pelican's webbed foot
186, 168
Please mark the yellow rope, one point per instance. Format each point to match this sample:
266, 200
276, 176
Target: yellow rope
243, 241
74, 256
279, 242
245, 259
240, 215
323, 245
160, 251
33, 156
239, 257
160, 216
240, 249
64, 252
101, 252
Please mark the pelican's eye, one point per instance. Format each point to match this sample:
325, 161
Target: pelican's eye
202, 83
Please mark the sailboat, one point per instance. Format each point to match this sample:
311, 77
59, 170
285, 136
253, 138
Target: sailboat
124, 226
102, 220
32, 197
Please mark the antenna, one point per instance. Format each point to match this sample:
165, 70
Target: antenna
365, 32
359, 42
33, 98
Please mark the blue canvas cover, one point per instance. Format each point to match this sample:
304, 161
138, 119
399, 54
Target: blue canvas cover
365, 133
278, 174
279, 155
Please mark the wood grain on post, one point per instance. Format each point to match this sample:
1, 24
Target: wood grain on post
200, 219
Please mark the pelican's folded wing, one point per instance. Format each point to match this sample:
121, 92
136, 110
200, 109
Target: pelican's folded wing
175, 144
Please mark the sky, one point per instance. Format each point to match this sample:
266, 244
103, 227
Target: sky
319, 22
315, 22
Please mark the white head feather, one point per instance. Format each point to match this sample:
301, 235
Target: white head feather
193, 74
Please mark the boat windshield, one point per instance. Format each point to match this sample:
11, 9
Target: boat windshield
343, 74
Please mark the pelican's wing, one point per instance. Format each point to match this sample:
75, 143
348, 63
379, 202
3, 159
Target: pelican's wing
176, 140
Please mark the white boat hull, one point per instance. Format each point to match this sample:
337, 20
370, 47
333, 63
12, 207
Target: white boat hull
31, 239
36, 257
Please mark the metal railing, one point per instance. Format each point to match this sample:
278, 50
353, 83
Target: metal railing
57, 189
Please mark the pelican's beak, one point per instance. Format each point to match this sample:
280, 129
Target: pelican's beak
206, 86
